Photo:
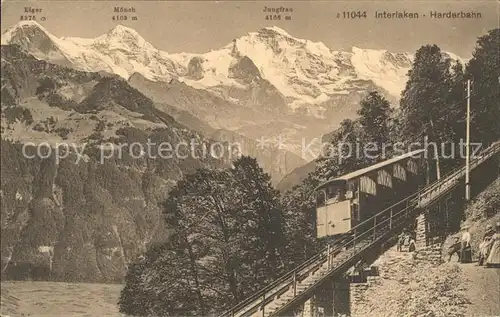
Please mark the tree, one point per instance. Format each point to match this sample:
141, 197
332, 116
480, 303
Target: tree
375, 114
202, 210
344, 153
261, 217
484, 70
226, 242
426, 104
299, 213
424, 99
159, 284
454, 123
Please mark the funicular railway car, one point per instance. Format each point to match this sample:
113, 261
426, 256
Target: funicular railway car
348, 200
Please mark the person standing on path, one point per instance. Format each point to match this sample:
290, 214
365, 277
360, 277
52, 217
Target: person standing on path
465, 251
485, 246
454, 248
493, 259
401, 241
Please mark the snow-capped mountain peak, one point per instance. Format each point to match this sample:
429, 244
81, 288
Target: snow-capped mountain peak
121, 30
264, 83
305, 72
121, 50
122, 36
386, 69
279, 39
276, 30
37, 40
26, 29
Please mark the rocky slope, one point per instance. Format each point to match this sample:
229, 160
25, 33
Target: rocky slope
483, 209
274, 160
83, 215
296, 177
410, 287
264, 84
299, 174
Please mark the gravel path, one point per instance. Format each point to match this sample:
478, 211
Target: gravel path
412, 287
482, 287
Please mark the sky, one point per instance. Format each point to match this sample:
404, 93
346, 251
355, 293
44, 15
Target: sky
200, 26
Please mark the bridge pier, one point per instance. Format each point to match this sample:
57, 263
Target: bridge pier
439, 220
421, 231
435, 223
333, 299
341, 297
309, 309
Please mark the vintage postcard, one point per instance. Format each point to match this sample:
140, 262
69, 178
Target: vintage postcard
250, 158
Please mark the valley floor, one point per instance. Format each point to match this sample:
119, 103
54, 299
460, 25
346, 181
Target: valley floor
44, 299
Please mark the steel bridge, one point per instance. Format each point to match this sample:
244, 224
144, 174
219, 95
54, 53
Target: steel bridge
290, 290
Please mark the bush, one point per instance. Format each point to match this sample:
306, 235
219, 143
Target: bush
63, 132
17, 113
47, 85
100, 126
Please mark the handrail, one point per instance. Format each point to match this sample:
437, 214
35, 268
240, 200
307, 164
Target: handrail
280, 284
459, 169
351, 241
371, 233
430, 186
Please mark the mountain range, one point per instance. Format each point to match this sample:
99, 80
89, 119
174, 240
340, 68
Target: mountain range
85, 220
265, 85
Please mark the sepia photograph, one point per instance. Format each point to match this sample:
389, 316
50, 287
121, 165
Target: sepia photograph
250, 158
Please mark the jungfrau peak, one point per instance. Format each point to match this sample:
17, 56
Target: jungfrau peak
277, 30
